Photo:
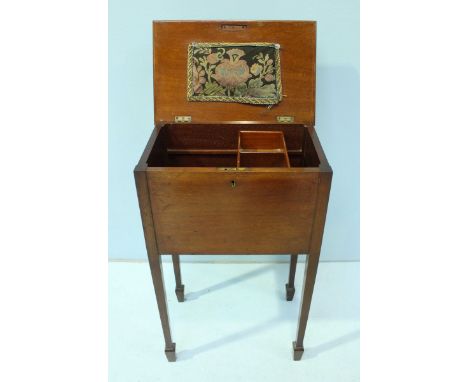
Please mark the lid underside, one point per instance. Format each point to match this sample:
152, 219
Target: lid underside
286, 90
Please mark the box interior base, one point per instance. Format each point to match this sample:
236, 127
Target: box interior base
212, 145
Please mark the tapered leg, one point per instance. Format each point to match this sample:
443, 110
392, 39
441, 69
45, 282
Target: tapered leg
292, 273
312, 259
179, 286
158, 282
307, 291
154, 258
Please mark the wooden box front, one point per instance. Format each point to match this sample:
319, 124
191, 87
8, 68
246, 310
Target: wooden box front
202, 203
212, 211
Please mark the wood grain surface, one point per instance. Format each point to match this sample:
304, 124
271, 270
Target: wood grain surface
297, 52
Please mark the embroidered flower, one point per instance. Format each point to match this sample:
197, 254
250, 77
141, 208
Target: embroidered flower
256, 69
213, 58
270, 61
232, 74
198, 78
269, 77
235, 54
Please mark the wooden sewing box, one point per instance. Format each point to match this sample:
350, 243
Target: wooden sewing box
234, 165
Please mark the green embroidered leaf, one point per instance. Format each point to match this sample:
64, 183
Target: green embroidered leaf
255, 83
241, 90
263, 92
256, 69
212, 89
202, 50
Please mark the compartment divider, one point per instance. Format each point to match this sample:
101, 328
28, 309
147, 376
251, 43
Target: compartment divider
262, 149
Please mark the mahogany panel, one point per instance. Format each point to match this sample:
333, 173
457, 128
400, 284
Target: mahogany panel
218, 160
297, 52
215, 136
212, 145
233, 212
262, 149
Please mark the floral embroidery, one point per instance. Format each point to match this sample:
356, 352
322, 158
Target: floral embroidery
247, 73
198, 79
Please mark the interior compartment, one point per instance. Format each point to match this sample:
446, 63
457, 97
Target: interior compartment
217, 145
262, 149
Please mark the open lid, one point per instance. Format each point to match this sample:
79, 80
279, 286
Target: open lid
260, 71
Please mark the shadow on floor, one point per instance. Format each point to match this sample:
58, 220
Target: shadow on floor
267, 325
287, 311
224, 284
189, 353
329, 345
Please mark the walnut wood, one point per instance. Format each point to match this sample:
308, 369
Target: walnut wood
297, 40
290, 289
179, 290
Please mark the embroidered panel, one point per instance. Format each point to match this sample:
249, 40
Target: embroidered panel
234, 72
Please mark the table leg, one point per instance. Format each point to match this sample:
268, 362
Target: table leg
312, 260
154, 258
179, 286
158, 282
292, 273
307, 291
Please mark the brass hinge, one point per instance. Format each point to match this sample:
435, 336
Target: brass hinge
285, 119
183, 119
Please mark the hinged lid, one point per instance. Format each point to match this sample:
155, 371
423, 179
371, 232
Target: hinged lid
294, 84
